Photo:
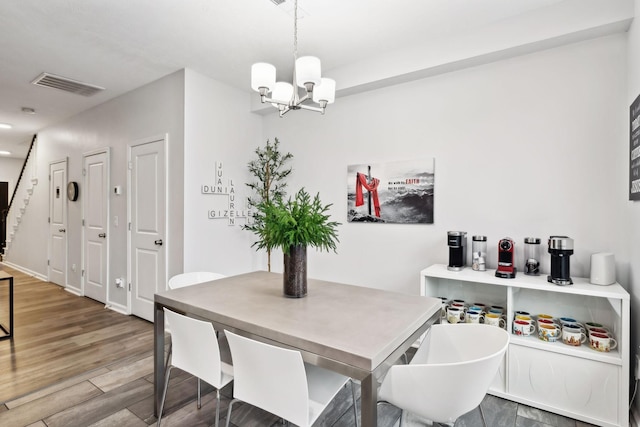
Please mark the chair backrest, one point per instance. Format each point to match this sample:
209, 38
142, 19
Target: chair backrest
271, 378
188, 279
195, 348
451, 375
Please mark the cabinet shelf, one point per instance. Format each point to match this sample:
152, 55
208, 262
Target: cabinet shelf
578, 382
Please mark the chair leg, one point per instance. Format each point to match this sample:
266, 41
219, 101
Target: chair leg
355, 403
199, 398
217, 407
164, 393
229, 411
484, 421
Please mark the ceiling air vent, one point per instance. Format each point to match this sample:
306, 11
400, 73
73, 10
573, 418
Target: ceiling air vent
67, 85
277, 2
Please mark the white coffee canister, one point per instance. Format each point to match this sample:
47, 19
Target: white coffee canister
603, 269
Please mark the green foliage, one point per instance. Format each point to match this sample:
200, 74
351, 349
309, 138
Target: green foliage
297, 221
270, 172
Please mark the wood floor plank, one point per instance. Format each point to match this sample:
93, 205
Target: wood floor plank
58, 335
120, 418
100, 407
48, 405
114, 379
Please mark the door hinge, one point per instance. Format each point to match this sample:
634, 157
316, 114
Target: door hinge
129, 287
82, 274
130, 165
84, 172
49, 177
49, 220
129, 226
83, 222
48, 262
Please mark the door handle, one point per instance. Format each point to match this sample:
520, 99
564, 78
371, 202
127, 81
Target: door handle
103, 235
62, 230
158, 242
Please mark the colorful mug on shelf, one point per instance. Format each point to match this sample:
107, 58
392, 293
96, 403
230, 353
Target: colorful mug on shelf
549, 332
455, 315
573, 336
602, 342
494, 319
524, 328
474, 317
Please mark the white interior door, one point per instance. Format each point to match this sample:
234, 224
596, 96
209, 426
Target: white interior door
147, 224
96, 225
58, 222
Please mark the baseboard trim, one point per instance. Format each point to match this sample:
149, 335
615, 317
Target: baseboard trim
117, 308
25, 270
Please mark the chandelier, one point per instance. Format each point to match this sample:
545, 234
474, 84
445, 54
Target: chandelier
306, 75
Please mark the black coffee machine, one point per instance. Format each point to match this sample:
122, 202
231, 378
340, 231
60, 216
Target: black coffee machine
560, 248
457, 241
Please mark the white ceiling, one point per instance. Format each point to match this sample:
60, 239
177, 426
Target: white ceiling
123, 44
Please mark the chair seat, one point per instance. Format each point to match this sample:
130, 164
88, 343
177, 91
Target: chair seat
323, 385
227, 374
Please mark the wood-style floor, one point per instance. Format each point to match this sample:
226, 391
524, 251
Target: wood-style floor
58, 335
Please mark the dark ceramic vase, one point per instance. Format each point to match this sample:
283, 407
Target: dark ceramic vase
295, 272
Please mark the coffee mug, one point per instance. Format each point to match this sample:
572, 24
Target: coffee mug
494, 319
524, 318
482, 305
474, 317
602, 342
602, 331
520, 327
496, 309
575, 326
573, 336
476, 308
547, 322
591, 325
564, 320
455, 315
458, 301
522, 313
548, 332
458, 305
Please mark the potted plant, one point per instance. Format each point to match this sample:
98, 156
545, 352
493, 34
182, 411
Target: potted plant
292, 226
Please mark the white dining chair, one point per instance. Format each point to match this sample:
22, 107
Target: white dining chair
187, 279
450, 373
196, 351
277, 380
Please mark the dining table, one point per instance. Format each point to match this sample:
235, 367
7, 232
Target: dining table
357, 331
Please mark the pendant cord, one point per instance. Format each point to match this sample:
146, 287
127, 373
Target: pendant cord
295, 31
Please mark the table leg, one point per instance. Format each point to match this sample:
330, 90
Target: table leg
369, 401
158, 357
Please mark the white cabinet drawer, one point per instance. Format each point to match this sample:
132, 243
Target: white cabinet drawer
569, 384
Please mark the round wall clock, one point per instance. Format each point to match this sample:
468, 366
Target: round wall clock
72, 191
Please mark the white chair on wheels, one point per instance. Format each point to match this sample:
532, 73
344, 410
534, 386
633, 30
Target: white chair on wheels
449, 374
277, 380
187, 279
196, 351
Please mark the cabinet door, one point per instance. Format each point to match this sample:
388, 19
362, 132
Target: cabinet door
565, 384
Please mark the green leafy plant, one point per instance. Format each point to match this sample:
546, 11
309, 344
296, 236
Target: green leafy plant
270, 172
300, 220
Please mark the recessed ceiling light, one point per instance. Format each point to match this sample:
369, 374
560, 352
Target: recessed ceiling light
4, 153
5, 126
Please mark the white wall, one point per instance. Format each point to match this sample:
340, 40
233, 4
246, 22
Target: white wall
529, 146
10, 171
218, 128
152, 110
633, 72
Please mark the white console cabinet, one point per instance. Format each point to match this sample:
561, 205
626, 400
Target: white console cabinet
576, 382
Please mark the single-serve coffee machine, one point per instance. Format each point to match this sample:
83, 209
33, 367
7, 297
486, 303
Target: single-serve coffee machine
457, 241
560, 248
506, 256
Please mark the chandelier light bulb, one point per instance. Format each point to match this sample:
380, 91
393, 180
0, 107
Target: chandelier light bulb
325, 91
307, 71
263, 75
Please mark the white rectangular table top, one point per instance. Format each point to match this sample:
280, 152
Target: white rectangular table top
355, 325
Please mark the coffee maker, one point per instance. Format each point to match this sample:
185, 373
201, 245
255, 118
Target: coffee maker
506, 251
457, 241
560, 248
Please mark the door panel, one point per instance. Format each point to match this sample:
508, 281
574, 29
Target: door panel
147, 201
58, 223
96, 225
